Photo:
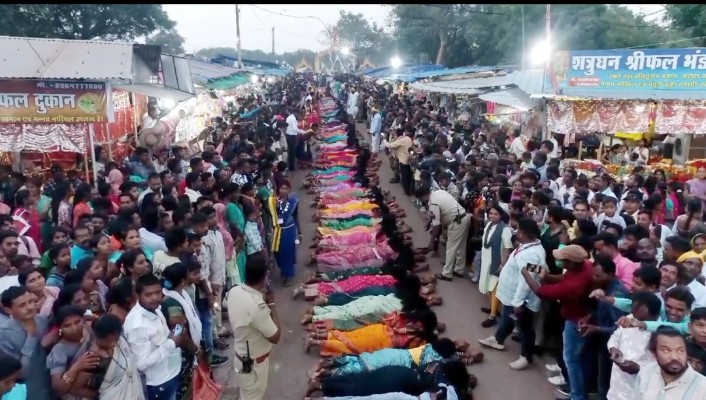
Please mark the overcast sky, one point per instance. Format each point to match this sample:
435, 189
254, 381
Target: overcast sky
213, 25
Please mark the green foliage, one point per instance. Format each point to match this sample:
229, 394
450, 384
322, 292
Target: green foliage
83, 21
491, 34
690, 19
364, 39
170, 41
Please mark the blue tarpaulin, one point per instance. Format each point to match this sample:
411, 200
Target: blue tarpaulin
412, 77
383, 72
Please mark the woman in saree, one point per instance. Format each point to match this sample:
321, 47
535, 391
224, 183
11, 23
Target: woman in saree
236, 223
41, 204
179, 309
434, 351
81, 199
132, 264
352, 193
375, 337
116, 376
35, 283
406, 297
121, 298
60, 206
231, 268
27, 212
287, 233
396, 380
351, 285
129, 240
354, 256
87, 274
64, 359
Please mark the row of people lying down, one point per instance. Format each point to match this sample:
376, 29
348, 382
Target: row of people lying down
372, 320
393, 332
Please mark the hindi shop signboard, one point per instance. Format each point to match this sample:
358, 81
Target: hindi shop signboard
52, 102
661, 69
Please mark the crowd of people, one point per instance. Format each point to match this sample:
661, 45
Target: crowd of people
603, 276
132, 287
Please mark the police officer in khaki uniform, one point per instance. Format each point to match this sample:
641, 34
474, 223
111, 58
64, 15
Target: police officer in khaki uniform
446, 212
255, 324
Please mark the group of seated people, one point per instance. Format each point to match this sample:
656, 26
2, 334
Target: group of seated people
371, 320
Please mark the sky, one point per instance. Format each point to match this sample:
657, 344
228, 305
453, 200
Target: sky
213, 25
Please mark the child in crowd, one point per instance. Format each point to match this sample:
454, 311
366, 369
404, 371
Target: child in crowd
253, 238
609, 214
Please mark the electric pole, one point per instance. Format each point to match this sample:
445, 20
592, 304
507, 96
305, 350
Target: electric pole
273, 41
237, 35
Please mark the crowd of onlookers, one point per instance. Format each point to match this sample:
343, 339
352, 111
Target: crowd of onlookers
113, 289
601, 275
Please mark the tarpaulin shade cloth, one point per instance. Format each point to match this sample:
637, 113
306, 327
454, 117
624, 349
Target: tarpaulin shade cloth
228, 83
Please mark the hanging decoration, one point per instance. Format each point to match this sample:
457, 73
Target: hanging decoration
681, 116
604, 116
44, 137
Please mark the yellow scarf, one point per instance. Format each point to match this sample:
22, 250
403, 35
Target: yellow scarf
277, 231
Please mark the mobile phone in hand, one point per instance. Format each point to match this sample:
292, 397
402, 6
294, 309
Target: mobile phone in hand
178, 329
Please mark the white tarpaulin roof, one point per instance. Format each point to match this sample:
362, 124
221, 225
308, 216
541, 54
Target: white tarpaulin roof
513, 97
32, 58
156, 90
530, 81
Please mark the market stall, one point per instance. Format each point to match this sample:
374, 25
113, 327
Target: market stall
631, 95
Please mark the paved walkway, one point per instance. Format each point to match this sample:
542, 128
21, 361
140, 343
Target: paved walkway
460, 311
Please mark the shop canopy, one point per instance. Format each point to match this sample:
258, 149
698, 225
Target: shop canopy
405, 69
445, 72
230, 82
514, 97
531, 81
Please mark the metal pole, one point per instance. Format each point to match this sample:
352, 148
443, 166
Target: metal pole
522, 11
91, 142
273, 41
549, 27
237, 35
110, 140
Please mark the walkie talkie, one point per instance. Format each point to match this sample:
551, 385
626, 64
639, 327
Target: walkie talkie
247, 361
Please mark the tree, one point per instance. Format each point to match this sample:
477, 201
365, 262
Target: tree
356, 33
431, 26
83, 21
491, 34
170, 41
690, 19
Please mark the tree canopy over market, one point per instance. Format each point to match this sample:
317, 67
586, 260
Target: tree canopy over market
449, 34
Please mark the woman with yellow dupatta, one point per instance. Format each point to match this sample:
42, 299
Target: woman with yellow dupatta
284, 209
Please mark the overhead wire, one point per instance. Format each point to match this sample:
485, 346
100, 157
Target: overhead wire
661, 43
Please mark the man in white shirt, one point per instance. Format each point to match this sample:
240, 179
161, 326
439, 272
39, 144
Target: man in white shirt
156, 350
293, 131
154, 183
150, 224
193, 184
516, 146
150, 120
375, 131
519, 302
671, 377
